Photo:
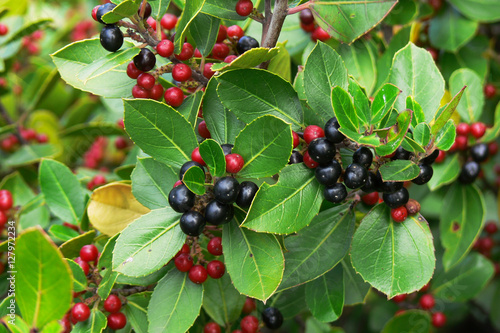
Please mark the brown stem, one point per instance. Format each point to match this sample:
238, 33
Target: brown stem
143, 8
267, 20
131, 290
9, 121
277, 19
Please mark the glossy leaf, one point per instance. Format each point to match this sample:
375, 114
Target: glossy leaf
446, 114
361, 104
446, 136
422, 134
384, 101
404, 12
287, 206
459, 228
71, 248
399, 171
136, 311
406, 322
148, 243
418, 113
159, 8
394, 139
79, 278
360, 60
280, 64
213, 156
95, 324
483, 10
470, 107
355, 288
191, 10
204, 30
123, 10
445, 172
190, 107
325, 295
395, 258
249, 59
223, 9
194, 179
343, 106
27, 29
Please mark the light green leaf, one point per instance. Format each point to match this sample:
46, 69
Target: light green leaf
406, 322
384, 101
79, 278
396, 137
194, 179
95, 324
446, 114
360, 60
470, 107
445, 172
482, 10
249, 59
422, 134
30, 154
446, 136
399, 171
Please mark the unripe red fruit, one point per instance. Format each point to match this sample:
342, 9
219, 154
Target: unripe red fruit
222, 34
308, 27
28, 134
461, 142
181, 72
490, 91
207, 70
234, 163
146, 81
6, 200
83, 264
165, 48
195, 156
89, 253
197, 53
296, 139
463, 129
112, 303
187, 52
230, 58
491, 227
198, 274
427, 302
370, 198
168, 21
42, 138
94, 12
132, 71
249, 306
438, 319
211, 328
235, 32
183, 262
313, 132
320, 34
441, 157
185, 248
434, 53
249, 324
309, 162
174, 96
399, 298
306, 16
399, 214
425, 288
477, 129
117, 321
157, 92
99, 180
139, 92
244, 7
216, 269
121, 143
214, 246
220, 51
203, 130
80, 312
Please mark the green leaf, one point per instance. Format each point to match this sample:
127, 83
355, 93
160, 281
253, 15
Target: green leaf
288, 205
280, 64
27, 29
110, 83
470, 107
152, 182
265, 145
412, 146
345, 112
360, 60
123, 10
422, 134
445, 172
361, 104
148, 243
319, 247
189, 13
159, 8
136, 310
418, 113
92, 130
465, 280
160, 131
95, 324
325, 295
62, 233
222, 123
349, 20
79, 278
446, 114
415, 73
449, 30
407, 322
249, 59
395, 137
384, 101
41, 297
109, 277
459, 228
482, 10
213, 155
204, 30
493, 132
223, 9
251, 93
221, 301
255, 263
466, 57
404, 12
324, 69
62, 191
30, 154
175, 303
399, 171
194, 179
71, 248
355, 288
396, 258
446, 136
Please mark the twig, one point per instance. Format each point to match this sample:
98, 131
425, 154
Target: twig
299, 8
267, 20
9, 121
277, 19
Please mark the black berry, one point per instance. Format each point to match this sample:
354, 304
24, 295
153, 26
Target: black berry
296, 157
401, 154
111, 38
332, 132
469, 173
336, 193
431, 158
147, 11
226, 190
272, 318
192, 223
329, 173
227, 148
425, 175
306, 16
181, 199
246, 43
247, 193
355, 176
185, 167
396, 199
104, 9
391, 187
363, 156
321, 150
145, 60
479, 152
372, 183
217, 213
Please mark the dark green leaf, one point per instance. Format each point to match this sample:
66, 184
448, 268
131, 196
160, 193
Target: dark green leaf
446, 136
223, 9
71, 248
445, 172
403, 12
204, 30
191, 10
384, 101
470, 107
194, 179
325, 295
190, 107
213, 156
482, 10
446, 114
136, 310
355, 288
399, 171
466, 57
361, 104
493, 132
123, 10
395, 138
290, 302
360, 60
407, 322
418, 113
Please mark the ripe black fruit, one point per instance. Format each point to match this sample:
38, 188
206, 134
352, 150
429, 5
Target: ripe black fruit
217, 213
425, 175
111, 38
396, 199
470, 171
226, 190
391, 187
192, 223
103, 9
321, 150
185, 167
247, 193
147, 11
332, 131
329, 173
227, 148
246, 43
401, 154
336, 193
363, 156
145, 60
355, 176
272, 318
372, 183
479, 152
295, 158
181, 199
431, 158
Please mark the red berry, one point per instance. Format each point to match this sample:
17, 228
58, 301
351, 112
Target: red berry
370, 198
99, 180
244, 7
436, 4
183, 262
486, 244
203, 130
427, 302
168, 21
399, 312
89, 253
132, 71
152, 22
177, 183
214, 246
146, 81
198, 274
308, 27
211, 328
6, 200
222, 34
309, 162
320, 34
3, 218
187, 52
42, 138
237, 331
181, 72
94, 12
425, 288
230, 58
80, 312
249, 306
477, 129
185, 248
490, 91
4, 30
235, 32
434, 53
399, 214
174, 96
112, 303
220, 51
234, 163
493, 148
216, 269
296, 139
491, 227
306, 16
313, 132
117, 321
197, 53
121, 143
438, 319
28, 134
157, 92
207, 70
83, 264
461, 142
195, 156
139, 92
441, 157
249, 324
165, 48
399, 298
463, 129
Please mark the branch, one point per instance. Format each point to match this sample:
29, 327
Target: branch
277, 19
267, 20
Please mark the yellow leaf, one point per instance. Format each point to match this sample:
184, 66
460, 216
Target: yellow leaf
112, 207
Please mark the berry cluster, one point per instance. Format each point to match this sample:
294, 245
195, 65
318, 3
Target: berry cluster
6, 203
111, 36
31, 43
94, 156
308, 24
84, 29
11, 142
487, 245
